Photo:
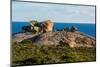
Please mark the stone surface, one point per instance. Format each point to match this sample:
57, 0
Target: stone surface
47, 25
72, 39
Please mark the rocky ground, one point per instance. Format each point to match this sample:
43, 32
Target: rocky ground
72, 39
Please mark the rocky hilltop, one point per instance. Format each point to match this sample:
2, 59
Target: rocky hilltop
72, 38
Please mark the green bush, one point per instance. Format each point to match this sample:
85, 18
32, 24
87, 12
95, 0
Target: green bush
27, 53
26, 42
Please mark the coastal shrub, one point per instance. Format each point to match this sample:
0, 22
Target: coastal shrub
27, 53
26, 42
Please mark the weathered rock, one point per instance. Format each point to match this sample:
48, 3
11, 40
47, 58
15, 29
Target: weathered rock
72, 39
72, 44
26, 28
55, 38
87, 40
73, 29
33, 22
47, 25
39, 26
94, 43
66, 29
23, 36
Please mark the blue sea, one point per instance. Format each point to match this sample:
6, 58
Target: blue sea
86, 28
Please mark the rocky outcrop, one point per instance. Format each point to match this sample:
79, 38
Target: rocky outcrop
35, 26
19, 37
47, 26
71, 39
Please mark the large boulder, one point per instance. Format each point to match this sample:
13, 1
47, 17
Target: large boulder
35, 26
89, 41
47, 26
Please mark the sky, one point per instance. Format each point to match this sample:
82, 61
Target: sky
26, 11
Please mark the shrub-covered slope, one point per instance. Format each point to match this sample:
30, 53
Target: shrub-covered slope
27, 53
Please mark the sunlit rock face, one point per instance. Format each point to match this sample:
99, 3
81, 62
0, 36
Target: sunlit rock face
47, 25
44, 26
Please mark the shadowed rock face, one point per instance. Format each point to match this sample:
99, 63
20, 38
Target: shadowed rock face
73, 29
71, 39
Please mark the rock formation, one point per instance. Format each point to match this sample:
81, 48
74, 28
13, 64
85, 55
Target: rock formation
27, 28
47, 26
71, 38
73, 29
35, 26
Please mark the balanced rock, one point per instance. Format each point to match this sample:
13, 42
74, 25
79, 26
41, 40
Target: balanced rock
47, 26
35, 26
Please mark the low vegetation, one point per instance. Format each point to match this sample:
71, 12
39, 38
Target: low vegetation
28, 53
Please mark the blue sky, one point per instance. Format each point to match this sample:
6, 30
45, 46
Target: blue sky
26, 11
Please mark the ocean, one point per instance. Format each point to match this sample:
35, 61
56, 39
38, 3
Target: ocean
85, 28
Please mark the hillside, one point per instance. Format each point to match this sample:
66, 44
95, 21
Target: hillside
41, 44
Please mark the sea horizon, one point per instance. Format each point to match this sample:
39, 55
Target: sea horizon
89, 29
